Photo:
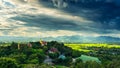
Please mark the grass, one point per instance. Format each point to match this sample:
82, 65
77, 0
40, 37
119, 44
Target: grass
83, 47
5, 44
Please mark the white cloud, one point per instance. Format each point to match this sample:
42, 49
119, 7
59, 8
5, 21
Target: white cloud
1, 34
32, 32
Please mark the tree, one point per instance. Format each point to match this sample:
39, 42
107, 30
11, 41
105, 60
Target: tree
8, 63
20, 58
36, 45
79, 65
53, 55
64, 62
114, 64
76, 53
88, 64
92, 64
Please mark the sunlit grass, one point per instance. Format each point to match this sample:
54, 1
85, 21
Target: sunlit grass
5, 44
82, 47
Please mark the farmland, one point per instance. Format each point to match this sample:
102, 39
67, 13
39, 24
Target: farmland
85, 47
5, 44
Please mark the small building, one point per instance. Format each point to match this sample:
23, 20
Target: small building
86, 58
63, 57
43, 43
53, 50
29, 45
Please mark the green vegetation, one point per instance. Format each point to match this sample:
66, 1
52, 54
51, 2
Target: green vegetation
84, 47
57, 55
8, 62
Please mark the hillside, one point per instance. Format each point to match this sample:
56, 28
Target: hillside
44, 54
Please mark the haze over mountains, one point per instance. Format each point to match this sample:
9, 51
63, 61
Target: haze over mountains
70, 20
65, 39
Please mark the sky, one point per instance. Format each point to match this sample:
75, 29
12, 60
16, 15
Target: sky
49, 18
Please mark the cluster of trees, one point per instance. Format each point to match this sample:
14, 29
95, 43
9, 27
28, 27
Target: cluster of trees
35, 54
33, 57
93, 64
105, 53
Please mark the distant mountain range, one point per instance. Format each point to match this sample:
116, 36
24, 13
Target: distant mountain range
70, 39
81, 39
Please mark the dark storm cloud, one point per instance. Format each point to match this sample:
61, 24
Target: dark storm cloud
48, 22
117, 2
104, 15
99, 11
102, 12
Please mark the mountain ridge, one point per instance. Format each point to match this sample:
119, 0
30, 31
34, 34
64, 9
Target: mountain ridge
72, 39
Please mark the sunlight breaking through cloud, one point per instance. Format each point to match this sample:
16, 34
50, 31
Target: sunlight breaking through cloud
30, 18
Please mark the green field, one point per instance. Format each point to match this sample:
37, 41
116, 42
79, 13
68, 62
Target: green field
5, 44
84, 47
